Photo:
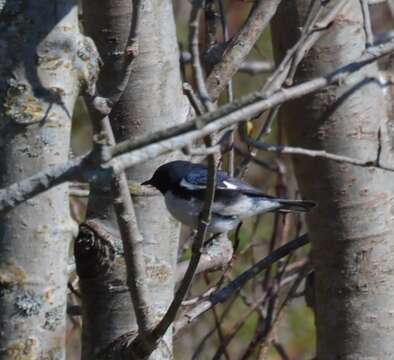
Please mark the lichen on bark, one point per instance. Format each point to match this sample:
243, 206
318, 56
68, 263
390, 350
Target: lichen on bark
43, 66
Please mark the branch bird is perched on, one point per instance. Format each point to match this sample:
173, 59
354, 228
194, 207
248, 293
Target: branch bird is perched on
183, 185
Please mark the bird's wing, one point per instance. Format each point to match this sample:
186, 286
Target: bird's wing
197, 177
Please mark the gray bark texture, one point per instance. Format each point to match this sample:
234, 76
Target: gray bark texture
352, 229
152, 101
42, 65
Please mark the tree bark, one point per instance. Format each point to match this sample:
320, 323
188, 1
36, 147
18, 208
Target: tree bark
153, 100
352, 228
42, 65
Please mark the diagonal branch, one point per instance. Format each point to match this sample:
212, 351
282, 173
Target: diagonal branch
247, 107
123, 204
249, 67
225, 293
240, 46
369, 38
216, 255
134, 151
311, 33
144, 344
322, 154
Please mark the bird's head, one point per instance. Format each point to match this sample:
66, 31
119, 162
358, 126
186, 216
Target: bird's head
168, 175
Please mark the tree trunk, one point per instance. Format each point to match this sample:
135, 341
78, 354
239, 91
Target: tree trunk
42, 64
152, 101
352, 227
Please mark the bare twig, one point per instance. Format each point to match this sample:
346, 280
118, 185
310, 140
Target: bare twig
369, 38
210, 16
226, 292
218, 325
240, 46
153, 145
230, 93
280, 350
276, 80
267, 127
316, 31
289, 150
82, 189
216, 255
311, 32
251, 155
201, 345
290, 295
133, 251
249, 67
237, 327
245, 108
200, 297
131, 237
145, 343
198, 72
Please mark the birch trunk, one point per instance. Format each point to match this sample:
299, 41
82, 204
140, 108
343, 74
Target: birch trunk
352, 230
43, 61
152, 101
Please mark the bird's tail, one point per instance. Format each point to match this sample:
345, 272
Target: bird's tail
296, 205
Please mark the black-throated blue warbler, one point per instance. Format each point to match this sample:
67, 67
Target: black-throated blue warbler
183, 185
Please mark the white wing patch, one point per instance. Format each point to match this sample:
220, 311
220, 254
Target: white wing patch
186, 184
230, 186
190, 186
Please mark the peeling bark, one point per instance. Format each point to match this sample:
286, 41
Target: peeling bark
352, 229
42, 66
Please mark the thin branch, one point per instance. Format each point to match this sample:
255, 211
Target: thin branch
131, 52
219, 330
310, 34
133, 251
317, 30
245, 108
237, 327
145, 343
134, 151
198, 72
276, 80
251, 156
290, 150
216, 255
241, 45
252, 308
249, 67
210, 20
226, 292
304, 271
369, 38
280, 350
200, 297
267, 127
201, 345
132, 239
256, 67
230, 92
23, 190
82, 189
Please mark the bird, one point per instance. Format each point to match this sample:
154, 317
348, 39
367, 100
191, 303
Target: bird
183, 185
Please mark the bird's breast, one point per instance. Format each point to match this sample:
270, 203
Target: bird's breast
186, 211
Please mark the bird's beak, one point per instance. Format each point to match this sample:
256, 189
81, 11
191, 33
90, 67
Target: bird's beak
148, 182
